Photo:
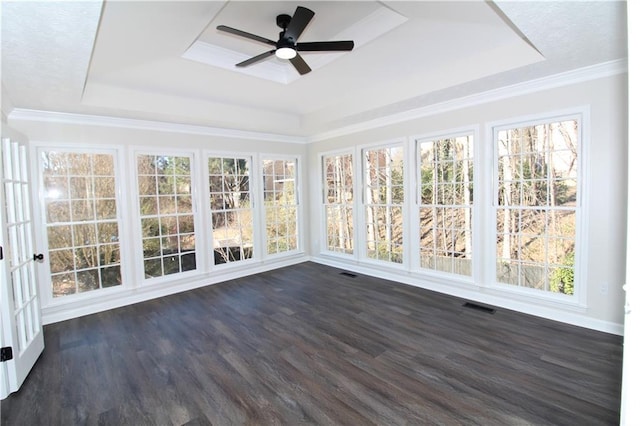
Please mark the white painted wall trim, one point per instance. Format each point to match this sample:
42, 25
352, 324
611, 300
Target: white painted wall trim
78, 308
20, 114
594, 72
473, 294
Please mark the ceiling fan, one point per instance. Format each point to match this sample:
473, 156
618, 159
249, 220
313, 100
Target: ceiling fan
287, 46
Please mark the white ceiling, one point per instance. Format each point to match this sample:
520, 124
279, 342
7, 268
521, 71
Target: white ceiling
166, 61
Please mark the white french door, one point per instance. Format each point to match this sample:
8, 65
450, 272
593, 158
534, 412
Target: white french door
21, 328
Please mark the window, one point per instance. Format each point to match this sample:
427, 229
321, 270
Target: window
384, 198
166, 214
338, 202
281, 205
446, 196
81, 213
231, 210
536, 205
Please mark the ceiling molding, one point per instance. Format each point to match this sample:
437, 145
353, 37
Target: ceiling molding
580, 75
20, 114
603, 70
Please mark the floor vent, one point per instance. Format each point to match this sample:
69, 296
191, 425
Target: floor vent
479, 308
348, 274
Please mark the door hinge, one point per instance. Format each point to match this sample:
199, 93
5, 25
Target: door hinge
1, 253
6, 354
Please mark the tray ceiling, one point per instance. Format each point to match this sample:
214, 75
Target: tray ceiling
165, 60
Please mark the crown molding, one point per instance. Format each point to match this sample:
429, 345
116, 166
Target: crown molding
594, 72
20, 114
568, 78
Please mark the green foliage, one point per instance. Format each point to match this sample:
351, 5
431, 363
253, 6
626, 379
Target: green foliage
281, 220
564, 194
427, 185
448, 173
561, 280
396, 188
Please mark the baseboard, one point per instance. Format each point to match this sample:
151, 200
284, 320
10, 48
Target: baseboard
75, 309
469, 293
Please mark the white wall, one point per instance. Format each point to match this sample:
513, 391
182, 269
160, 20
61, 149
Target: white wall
607, 187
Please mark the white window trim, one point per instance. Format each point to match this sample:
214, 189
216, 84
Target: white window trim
356, 177
140, 279
39, 219
360, 199
476, 210
208, 262
263, 213
579, 299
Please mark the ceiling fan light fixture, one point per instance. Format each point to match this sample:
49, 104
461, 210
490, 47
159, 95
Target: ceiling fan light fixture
286, 53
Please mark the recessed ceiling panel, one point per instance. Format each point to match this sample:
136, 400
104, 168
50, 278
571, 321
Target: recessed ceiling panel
359, 21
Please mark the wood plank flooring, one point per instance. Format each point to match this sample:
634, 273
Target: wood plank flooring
308, 345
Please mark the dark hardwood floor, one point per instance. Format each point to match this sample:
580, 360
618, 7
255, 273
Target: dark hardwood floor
307, 345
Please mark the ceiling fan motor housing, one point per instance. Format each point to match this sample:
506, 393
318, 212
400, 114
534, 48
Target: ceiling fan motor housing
285, 42
283, 21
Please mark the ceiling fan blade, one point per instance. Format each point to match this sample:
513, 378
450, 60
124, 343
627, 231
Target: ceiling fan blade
246, 35
299, 22
255, 59
318, 46
300, 64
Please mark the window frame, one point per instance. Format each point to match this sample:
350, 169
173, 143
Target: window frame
255, 217
40, 218
475, 207
300, 226
579, 298
140, 278
324, 249
407, 243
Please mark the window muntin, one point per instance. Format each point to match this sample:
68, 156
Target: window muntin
81, 211
445, 206
338, 202
166, 214
383, 204
280, 205
231, 208
537, 190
